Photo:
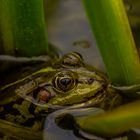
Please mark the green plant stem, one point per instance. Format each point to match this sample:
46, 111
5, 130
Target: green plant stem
115, 42
22, 27
114, 39
112, 123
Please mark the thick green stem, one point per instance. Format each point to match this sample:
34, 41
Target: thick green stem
114, 39
22, 27
112, 123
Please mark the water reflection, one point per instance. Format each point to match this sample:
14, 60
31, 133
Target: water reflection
69, 25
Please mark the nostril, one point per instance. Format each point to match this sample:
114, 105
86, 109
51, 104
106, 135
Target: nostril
86, 80
90, 80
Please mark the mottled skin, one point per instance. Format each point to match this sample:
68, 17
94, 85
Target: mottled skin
66, 82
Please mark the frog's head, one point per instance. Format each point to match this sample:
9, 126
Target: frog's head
64, 82
69, 81
76, 82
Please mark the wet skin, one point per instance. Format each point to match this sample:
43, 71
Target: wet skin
65, 82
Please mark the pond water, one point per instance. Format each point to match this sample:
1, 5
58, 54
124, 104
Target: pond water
69, 30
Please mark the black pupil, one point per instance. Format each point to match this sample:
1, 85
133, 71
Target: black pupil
65, 81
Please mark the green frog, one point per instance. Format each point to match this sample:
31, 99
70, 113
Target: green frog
56, 84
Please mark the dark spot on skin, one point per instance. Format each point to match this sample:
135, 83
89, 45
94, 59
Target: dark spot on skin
32, 109
8, 109
29, 122
19, 101
35, 93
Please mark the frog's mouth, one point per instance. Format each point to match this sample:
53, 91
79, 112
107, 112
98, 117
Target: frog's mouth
94, 100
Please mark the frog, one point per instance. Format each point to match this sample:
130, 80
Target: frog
61, 83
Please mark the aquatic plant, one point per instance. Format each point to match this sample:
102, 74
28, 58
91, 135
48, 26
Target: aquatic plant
114, 39
22, 28
116, 44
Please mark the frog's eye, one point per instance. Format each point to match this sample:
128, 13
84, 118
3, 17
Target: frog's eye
64, 81
72, 59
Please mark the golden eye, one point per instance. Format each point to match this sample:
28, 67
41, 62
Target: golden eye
64, 81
